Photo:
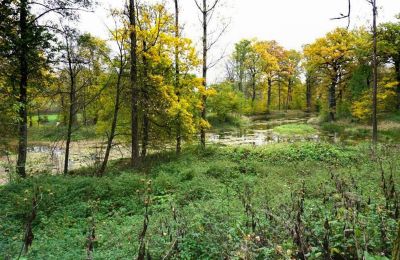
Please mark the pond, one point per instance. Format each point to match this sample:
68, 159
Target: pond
257, 132
262, 132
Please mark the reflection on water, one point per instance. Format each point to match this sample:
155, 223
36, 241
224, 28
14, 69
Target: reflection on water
260, 132
50, 157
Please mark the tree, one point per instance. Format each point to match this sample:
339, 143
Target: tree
27, 35
80, 68
118, 65
272, 55
333, 55
389, 46
290, 71
133, 84
240, 58
375, 73
207, 10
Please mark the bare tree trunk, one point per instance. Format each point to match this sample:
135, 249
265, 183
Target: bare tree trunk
375, 79
269, 95
145, 130
289, 94
177, 81
72, 112
253, 86
308, 93
133, 82
279, 95
72, 102
23, 85
204, 97
332, 100
397, 67
113, 124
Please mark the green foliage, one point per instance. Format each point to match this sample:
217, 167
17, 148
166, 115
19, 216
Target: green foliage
215, 194
295, 129
226, 102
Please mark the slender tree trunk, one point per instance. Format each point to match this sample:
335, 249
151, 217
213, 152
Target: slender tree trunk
253, 86
375, 79
145, 130
23, 85
113, 124
308, 94
133, 85
71, 122
288, 98
177, 80
397, 67
279, 95
204, 97
269, 95
332, 100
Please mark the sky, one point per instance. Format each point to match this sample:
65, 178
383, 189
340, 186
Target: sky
292, 23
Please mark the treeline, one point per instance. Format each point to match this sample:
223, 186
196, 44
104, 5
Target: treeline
137, 84
332, 75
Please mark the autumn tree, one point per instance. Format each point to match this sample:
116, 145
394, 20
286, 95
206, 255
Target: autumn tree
207, 8
389, 47
27, 34
333, 55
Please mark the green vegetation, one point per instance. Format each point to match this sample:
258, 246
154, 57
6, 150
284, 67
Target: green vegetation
51, 133
295, 129
216, 203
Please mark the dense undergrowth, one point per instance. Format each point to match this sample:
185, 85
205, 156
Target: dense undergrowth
303, 200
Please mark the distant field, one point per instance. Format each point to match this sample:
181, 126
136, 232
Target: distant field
51, 118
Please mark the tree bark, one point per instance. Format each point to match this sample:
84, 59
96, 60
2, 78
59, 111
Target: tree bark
145, 129
397, 67
269, 95
253, 86
308, 94
113, 124
133, 85
204, 97
332, 100
23, 99
375, 79
289, 94
71, 116
177, 80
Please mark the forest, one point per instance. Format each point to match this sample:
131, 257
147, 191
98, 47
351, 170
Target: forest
125, 146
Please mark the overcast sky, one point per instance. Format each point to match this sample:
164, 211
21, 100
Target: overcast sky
292, 23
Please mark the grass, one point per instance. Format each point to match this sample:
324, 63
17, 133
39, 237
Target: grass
236, 202
295, 129
50, 133
48, 118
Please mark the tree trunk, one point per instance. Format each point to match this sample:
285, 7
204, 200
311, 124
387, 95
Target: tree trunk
308, 94
253, 85
177, 81
375, 80
145, 129
397, 67
269, 95
133, 85
71, 121
113, 124
332, 100
23, 99
279, 96
289, 93
204, 97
